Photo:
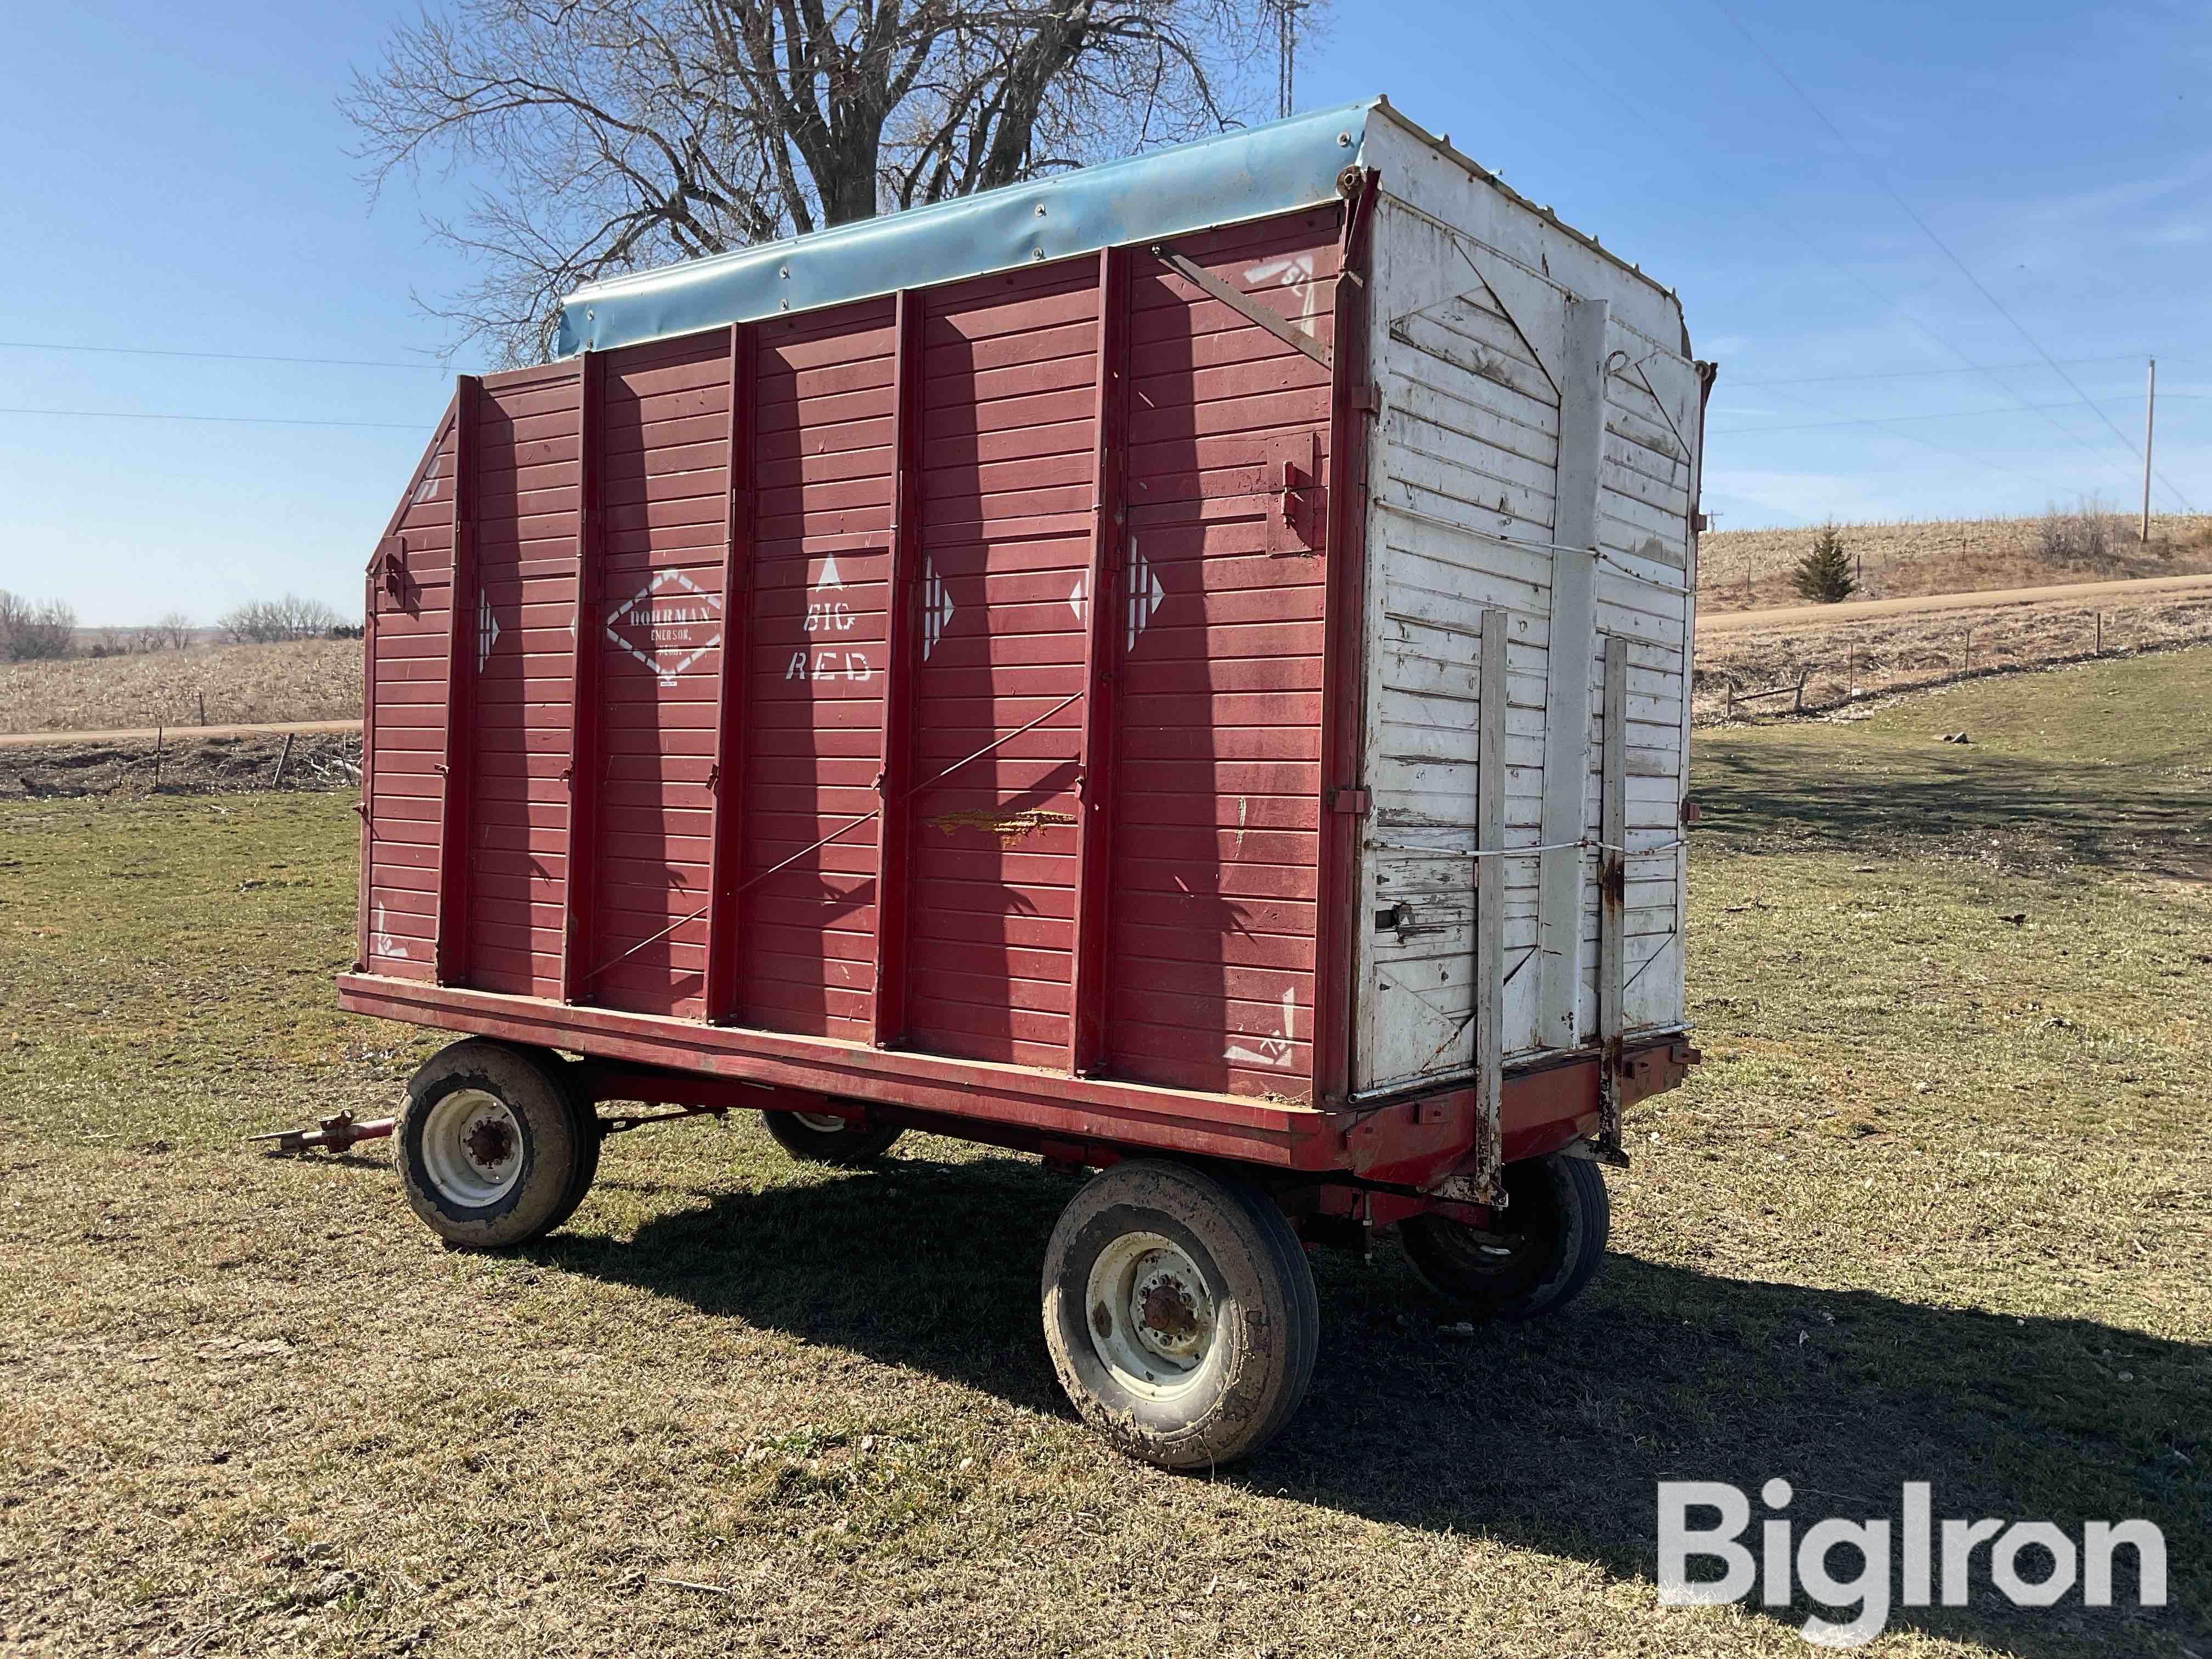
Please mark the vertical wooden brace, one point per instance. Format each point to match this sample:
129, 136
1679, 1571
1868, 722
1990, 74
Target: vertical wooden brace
1344, 645
902, 628
1573, 634
1490, 909
1613, 886
450, 951
1102, 638
726, 854
579, 879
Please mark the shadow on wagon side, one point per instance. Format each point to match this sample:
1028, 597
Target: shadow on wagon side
1549, 1436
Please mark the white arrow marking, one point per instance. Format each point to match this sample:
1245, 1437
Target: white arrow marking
1075, 601
829, 576
1272, 1051
1145, 593
487, 629
937, 607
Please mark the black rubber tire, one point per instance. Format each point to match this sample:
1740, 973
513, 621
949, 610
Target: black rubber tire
843, 1149
554, 1153
589, 1138
1555, 1223
1266, 1315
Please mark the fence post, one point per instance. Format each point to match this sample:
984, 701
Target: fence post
1729, 712
277, 781
1798, 706
158, 735
2101, 633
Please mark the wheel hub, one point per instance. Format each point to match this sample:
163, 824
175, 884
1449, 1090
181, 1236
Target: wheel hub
1152, 1316
1165, 1314
472, 1149
490, 1143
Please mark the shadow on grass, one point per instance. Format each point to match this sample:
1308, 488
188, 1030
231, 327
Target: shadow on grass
1553, 1434
1753, 795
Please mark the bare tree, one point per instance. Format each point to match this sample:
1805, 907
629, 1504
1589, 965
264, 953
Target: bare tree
619, 134
173, 631
270, 621
35, 631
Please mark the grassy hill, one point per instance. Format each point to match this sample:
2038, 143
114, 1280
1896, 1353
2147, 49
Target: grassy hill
1750, 570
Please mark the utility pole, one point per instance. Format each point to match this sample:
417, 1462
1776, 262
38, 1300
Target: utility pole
2150, 411
1287, 42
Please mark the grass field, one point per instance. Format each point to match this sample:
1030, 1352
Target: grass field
1751, 569
218, 685
1937, 1207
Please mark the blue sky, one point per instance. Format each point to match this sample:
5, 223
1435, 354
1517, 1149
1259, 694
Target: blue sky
180, 182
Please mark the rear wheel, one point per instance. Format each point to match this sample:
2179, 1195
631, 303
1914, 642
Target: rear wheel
1536, 1255
1180, 1313
490, 1148
825, 1138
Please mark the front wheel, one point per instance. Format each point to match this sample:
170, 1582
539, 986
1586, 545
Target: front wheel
825, 1138
492, 1148
1180, 1313
1536, 1255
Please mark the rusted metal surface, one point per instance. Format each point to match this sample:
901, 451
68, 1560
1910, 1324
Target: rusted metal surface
335, 1133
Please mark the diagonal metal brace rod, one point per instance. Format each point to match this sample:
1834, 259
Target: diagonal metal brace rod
1281, 327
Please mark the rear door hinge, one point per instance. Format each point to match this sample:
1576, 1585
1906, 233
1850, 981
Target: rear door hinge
1354, 801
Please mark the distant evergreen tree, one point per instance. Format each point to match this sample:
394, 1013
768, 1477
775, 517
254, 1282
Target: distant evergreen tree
1824, 575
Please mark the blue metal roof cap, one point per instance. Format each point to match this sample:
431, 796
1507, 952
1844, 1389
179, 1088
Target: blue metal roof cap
1248, 173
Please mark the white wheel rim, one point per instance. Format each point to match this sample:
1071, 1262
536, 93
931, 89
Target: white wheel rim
1151, 1315
823, 1123
472, 1148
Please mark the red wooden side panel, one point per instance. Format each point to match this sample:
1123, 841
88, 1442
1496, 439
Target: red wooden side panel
408, 681
1210, 975
1007, 411
821, 527
527, 486
663, 483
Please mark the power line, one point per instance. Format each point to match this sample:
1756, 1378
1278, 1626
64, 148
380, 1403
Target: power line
1969, 368
1928, 230
216, 357
1939, 415
227, 420
1603, 72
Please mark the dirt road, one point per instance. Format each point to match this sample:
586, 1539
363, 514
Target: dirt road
1730, 622
176, 734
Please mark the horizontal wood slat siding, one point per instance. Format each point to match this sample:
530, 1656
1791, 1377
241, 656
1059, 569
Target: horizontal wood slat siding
525, 540
822, 458
658, 629
1471, 343
1004, 549
1210, 976
1205, 914
407, 737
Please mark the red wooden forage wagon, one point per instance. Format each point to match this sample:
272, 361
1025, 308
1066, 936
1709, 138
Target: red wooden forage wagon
1179, 668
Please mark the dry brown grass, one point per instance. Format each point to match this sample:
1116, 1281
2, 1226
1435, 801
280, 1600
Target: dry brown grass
1941, 555
238, 685
1870, 658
